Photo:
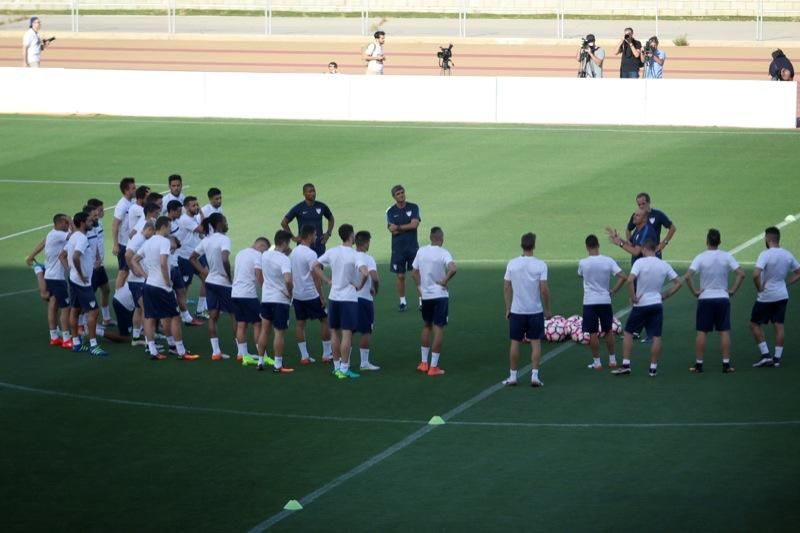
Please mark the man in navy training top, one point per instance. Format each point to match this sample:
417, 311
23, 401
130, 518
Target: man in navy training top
310, 212
656, 218
402, 220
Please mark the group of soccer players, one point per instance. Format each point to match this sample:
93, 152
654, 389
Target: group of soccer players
162, 243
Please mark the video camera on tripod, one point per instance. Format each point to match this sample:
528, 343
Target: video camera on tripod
445, 56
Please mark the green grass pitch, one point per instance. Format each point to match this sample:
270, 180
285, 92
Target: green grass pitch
123, 444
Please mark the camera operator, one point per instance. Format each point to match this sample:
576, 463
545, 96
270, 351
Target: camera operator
33, 44
591, 58
653, 59
631, 51
781, 69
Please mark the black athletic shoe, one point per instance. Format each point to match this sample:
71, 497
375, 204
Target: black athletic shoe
764, 362
776, 362
697, 368
653, 372
402, 307
728, 369
624, 370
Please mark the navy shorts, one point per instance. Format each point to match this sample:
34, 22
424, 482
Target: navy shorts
277, 314
58, 290
176, 278
766, 312
402, 260
713, 314
343, 315
650, 317
124, 318
219, 298
435, 311
82, 297
366, 316
309, 309
246, 310
597, 315
159, 303
526, 326
121, 263
99, 277
136, 289
187, 271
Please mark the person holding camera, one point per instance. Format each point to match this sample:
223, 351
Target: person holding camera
33, 44
591, 58
781, 69
631, 51
373, 55
653, 59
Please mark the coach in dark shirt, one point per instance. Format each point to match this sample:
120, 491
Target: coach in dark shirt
631, 51
779, 63
402, 221
310, 212
656, 219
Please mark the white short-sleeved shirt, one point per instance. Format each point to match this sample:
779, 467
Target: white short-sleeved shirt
101, 245
597, 271
651, 273
174, 230
525, 273
121, 214
54, 244
714, 267
91, 251
364, 259
775, 264
208, 210
374, 50
136, 222
78, 242
212, 247
167, 199
187, 235
123, 296
432, 261
151, 253
33, 45
301, 259
274, 265
135, 246
245, 264
342, 260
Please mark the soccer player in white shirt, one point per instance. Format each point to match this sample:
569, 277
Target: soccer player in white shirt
136, 278
175, 183
217, 249
366, 310
214, 204
189, 236
136, 212
598, 315
647, 276
527, 298
713, 304
56, 291
276, 293
345, 282
81, 293
100, 276
433, 269
769, 277
179, 285
158, 296
119, 228
247, 278
307, 298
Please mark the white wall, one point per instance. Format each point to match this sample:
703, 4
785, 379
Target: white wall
734, 103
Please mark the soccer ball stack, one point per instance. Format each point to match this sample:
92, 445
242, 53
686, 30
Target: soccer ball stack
577, 332
555, 329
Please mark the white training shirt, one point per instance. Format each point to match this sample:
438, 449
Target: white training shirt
525, 273
187, 235
713, 267
123, 296
432, 261
597, 271
91, 250
79, 242
151, 253
135, 246
135, 216
245, 264
301, 259
33, 45
775, 264
374, 50
174, 230
364, 259
101, 247
121, 214
274, 265
651, 273
342, 260
208, 210
167, 199
54, 244
212, 247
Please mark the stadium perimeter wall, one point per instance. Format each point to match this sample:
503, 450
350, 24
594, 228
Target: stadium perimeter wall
729, 103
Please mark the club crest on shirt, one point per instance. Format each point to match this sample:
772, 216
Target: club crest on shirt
652, 220
319, 210
92, 304
408, 213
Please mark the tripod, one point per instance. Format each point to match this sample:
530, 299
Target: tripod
445, 66
584, 64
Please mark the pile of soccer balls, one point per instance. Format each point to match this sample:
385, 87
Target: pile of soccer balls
558, 329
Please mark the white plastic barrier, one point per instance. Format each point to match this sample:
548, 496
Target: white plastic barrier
735, 103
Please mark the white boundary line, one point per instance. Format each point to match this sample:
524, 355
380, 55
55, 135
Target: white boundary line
26, 291
631, 425
417, 125
58, 182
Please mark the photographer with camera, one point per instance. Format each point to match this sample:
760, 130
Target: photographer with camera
631, 51
373, 55
33, 44
591, 58
781, 69
653, 59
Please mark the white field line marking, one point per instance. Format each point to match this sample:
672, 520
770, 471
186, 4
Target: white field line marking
431, 126
760, 236
59, 182
630, 425
413, 437
26, 291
